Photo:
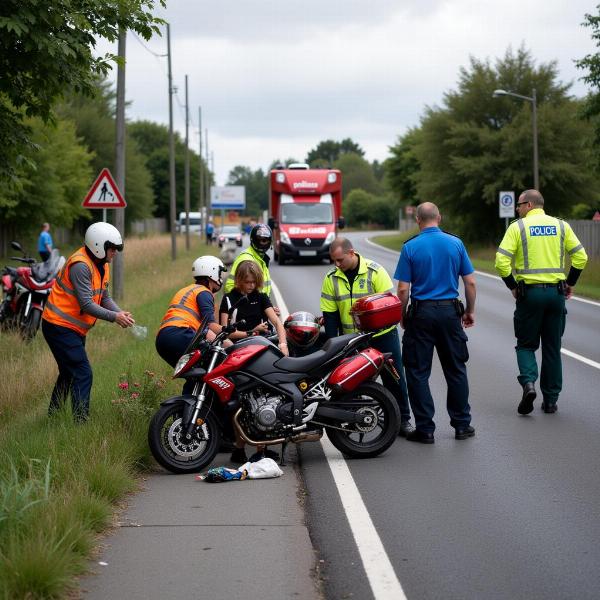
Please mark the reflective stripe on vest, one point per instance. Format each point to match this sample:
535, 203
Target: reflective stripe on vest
63, 308
527, 269
183, 309
345, 298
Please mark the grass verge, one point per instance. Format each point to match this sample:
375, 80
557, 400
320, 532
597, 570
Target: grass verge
483, 260
60, 483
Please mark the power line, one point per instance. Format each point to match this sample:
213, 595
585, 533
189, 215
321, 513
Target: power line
135, 35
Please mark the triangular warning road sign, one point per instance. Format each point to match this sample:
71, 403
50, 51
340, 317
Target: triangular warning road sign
104, 193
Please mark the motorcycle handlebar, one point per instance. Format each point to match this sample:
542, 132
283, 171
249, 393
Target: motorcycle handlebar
29, 261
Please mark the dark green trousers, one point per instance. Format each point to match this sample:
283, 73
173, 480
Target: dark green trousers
540, 316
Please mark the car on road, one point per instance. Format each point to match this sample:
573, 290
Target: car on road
230, 233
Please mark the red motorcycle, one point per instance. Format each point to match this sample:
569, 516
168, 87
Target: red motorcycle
25, 291
274, 399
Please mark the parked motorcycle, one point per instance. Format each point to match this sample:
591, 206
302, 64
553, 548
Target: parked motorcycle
25, 291
274, 399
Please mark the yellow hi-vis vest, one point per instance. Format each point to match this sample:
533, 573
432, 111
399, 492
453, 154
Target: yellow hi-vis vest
249, 254
63, 307
338, 296
537, 244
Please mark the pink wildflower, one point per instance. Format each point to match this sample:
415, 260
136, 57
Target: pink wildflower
135, 395
124, 385
136, 384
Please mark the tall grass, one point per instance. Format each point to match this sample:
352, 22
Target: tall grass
483, 258
60, 482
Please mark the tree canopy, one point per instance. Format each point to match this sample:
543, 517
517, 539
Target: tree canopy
475, 145
46, 50
329, 151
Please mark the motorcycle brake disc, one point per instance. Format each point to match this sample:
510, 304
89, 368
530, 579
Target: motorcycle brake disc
185, 448
370, 419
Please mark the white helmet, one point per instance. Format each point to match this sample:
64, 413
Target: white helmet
209, 266
101, 236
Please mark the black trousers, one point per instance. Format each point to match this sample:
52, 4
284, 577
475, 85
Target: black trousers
436, 326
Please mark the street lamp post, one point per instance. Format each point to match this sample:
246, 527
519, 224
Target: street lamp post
533, 100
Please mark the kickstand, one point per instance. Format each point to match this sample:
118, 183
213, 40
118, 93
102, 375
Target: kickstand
282, 459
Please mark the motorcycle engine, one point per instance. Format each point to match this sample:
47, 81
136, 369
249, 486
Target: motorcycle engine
263, 410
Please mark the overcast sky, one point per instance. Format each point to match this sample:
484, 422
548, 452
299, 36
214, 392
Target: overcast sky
274, 77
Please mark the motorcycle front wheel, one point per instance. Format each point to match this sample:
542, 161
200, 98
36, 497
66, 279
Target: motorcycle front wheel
171, 448
379, 429
31, 325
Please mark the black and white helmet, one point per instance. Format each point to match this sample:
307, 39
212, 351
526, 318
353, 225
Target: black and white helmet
209, 266
261, 237
99, 237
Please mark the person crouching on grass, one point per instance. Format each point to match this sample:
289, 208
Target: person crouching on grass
247, 302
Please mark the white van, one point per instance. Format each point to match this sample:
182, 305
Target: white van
195, 223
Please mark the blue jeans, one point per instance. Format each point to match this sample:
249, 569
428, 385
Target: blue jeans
74, 369
390, 342
436, 326
171, 343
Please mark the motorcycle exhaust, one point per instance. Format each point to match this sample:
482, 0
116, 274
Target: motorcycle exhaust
307, 436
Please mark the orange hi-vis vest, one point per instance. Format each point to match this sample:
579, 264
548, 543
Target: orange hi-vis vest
63, 307
183, 309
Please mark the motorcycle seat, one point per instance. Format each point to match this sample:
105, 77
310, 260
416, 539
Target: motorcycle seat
303, 364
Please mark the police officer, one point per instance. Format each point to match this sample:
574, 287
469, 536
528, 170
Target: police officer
537, 243
261, 238
429, 267
352, 278
79, 297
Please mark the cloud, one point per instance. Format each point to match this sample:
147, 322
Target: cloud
274, 79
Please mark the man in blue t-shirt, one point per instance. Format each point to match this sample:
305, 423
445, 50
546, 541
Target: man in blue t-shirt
45, 242
429, 267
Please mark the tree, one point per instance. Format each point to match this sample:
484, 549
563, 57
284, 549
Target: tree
402, 168
474, 146
329, 151
257, 187
357, 173
53, 188
46, 49
95, 123
591, 65
361, 208
152, 139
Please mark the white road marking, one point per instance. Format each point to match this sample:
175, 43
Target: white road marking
490, 275
378, 567
583, 359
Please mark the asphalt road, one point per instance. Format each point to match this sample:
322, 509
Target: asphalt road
512, 513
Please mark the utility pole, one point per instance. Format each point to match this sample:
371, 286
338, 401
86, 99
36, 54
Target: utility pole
172, 213
187, 168
200, 173
120, 163
207, 182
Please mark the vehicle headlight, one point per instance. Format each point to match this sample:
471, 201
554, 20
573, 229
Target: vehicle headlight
330, 237
280, 177
331, 177
181, 363
284, 238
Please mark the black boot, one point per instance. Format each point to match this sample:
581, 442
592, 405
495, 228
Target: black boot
529, 394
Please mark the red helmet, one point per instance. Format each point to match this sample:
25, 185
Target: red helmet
302, 329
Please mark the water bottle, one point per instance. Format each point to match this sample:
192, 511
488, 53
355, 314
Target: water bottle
139, 332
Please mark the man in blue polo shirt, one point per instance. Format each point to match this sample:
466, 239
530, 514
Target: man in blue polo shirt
429, 267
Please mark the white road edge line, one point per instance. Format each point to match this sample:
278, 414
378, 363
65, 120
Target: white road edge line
577, 298
583, 359
380, 571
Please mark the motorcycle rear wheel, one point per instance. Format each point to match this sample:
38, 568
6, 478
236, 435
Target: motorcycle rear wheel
169, 447
367, 441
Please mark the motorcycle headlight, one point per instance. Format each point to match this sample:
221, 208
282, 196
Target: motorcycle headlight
182, 363
284, 238
330, 237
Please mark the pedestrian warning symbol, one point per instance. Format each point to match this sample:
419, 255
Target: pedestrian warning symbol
104, 193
